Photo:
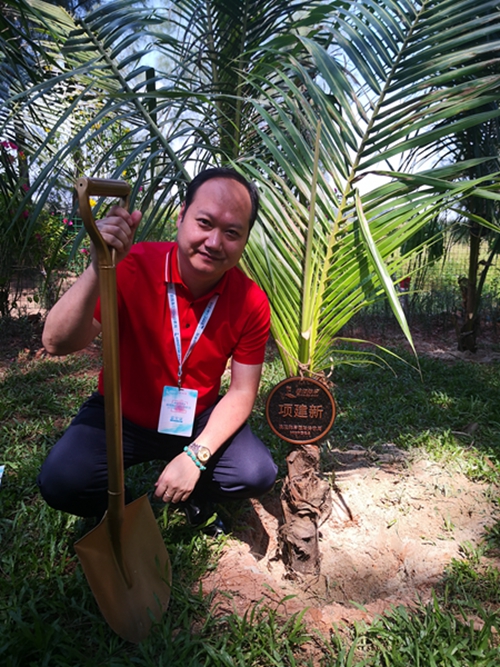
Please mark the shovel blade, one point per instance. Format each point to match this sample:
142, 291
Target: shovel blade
130, 605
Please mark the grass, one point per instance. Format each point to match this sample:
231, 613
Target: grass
48, 614
429, 636
453, 413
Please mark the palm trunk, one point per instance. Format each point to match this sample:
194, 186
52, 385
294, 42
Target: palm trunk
467, 333
306, 501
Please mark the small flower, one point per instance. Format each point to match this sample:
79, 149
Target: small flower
26, 214
70, 223
25, 187
85, 251
65, 221
10, 145
92, 202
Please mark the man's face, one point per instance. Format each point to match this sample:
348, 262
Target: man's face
213, 231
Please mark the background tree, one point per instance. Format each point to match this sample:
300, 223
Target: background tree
21, 66
477, 146
256, 84
480, 144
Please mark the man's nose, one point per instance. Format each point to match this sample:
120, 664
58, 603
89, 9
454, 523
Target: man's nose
214, 239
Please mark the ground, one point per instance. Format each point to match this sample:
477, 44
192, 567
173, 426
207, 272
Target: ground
396, 524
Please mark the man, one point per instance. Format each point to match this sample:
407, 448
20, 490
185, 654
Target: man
184, 310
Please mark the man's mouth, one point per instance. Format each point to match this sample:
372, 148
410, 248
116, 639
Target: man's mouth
209, 256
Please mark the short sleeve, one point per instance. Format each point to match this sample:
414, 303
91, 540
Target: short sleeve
251, 347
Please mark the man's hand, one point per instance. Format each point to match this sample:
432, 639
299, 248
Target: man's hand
70, 325
117, 230
178, 479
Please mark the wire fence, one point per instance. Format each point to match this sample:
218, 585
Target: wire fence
433, 295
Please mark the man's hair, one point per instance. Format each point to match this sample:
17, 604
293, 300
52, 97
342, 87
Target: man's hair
223, 172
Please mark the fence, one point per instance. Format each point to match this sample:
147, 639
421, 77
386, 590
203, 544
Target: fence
432, 297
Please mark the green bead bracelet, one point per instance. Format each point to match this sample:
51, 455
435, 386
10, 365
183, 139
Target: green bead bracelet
192, 456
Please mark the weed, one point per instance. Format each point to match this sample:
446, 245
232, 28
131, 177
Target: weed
429, 635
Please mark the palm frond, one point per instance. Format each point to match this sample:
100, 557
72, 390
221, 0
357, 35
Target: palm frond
386, 108
316, 101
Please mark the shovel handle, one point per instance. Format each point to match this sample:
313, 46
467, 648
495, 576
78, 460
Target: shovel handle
100, 187
86, 187
104, 187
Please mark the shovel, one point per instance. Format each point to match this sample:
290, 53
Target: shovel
124, 557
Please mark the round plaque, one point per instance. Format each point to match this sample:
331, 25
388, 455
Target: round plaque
300, 410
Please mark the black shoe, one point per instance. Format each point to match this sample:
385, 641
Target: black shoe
198, 514
215, 528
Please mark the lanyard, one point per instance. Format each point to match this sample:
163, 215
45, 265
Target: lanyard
176, 327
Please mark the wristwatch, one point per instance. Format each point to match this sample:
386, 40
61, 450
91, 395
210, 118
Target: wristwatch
201, 453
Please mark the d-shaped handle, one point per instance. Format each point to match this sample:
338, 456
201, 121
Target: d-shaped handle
100, 187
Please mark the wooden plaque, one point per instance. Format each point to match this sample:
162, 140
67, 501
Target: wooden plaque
300, 410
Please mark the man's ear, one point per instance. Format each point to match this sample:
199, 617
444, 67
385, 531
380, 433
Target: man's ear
180, 216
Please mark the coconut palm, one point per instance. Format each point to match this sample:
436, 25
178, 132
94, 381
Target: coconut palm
332, 276
320, 102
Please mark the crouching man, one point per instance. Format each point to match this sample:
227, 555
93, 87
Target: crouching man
184, 309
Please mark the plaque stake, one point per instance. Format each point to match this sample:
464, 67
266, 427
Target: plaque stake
301, 411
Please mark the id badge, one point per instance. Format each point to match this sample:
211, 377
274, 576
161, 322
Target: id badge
178, 407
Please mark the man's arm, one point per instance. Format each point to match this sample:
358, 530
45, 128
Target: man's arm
234, 408
180, 476
70, 324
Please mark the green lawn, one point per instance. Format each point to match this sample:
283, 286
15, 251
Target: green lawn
49, 617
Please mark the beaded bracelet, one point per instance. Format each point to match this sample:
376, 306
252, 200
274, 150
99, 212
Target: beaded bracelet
193, 457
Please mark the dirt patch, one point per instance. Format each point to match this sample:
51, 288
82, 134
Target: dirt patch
440, 344
396, 524
22, 342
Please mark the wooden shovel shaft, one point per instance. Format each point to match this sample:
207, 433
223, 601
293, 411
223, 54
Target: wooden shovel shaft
87, 187
124, 557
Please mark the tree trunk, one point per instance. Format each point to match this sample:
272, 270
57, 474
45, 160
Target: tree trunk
306, 501
467, 333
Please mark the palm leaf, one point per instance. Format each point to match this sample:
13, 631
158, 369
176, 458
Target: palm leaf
250, 83
390, 111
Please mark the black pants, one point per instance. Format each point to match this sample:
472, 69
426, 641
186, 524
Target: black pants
74, 477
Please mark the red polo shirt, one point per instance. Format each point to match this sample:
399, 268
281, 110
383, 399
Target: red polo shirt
238, 328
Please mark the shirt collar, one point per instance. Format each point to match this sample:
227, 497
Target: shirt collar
172, 274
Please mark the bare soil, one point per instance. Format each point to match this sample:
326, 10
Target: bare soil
397, 523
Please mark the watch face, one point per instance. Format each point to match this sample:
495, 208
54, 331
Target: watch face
203, 454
